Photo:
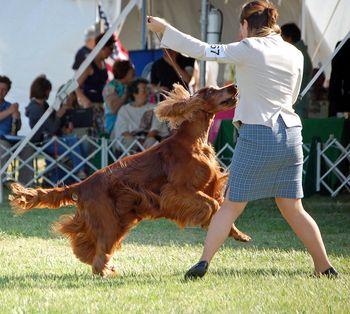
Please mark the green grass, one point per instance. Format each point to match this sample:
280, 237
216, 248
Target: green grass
271, 274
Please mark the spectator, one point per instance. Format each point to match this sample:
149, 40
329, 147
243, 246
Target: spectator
10, 123
83, 52
39, 93
115, 92
318, 97
136, 119
339, 84
291, 34
92, 82
167, 70
78, 121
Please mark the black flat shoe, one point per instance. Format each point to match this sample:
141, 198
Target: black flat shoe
330, 273
197, 271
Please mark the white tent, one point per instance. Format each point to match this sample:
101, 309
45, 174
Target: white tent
42, 36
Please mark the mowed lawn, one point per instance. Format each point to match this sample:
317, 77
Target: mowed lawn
271, 274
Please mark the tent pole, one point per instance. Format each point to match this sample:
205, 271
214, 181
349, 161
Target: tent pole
204, 25
97, 15
143, 24
303, 19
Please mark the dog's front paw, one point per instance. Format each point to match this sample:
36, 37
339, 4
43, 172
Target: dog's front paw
108, 271
239, 235
242, 237
216, 205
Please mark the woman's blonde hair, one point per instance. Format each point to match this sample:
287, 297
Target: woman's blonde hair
261, 16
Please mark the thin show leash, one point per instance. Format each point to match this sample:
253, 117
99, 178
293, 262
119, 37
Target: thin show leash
172, 61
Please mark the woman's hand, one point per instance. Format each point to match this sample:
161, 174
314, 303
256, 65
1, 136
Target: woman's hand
156, 24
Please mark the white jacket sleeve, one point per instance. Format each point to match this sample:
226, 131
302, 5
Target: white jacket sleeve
190, 46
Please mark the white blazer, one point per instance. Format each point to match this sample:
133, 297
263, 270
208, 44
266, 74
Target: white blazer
269, 73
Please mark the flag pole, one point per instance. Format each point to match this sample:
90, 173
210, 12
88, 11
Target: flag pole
71, 85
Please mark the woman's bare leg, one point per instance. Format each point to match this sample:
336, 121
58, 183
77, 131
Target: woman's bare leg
306, 229
220, 226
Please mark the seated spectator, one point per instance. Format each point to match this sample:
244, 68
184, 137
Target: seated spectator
136, 119
10, 123
115, 92
39, 93
76, 120
92, 82
167, 70
318, 97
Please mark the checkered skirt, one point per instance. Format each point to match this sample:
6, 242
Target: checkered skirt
267, 162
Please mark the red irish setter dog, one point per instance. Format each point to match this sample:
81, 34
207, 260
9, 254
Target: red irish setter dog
178, 179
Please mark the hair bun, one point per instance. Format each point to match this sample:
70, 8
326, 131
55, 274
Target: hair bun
271, 16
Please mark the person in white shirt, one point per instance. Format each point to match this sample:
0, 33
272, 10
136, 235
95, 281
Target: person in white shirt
268, 157
136, 120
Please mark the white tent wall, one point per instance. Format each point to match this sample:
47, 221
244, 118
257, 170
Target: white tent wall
321, 25
42, 36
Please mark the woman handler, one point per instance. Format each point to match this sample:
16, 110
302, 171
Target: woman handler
268, 158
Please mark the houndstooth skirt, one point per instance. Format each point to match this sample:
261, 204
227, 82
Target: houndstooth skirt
267, 162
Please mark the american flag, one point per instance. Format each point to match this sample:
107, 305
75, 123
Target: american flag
119, 51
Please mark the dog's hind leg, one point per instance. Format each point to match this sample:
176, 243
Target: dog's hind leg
82, 241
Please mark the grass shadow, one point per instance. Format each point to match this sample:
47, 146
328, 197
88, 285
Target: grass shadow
81, 279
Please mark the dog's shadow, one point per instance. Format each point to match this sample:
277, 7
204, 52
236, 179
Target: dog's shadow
81, 279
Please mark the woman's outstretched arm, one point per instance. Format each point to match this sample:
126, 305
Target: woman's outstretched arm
188, 45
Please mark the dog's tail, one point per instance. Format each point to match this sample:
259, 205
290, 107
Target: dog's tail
24, 199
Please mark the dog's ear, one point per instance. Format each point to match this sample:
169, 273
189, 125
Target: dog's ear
176, 108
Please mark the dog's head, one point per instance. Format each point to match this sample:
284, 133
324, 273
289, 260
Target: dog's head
180, 106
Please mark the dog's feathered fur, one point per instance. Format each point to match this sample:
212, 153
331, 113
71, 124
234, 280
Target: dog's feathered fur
178, 179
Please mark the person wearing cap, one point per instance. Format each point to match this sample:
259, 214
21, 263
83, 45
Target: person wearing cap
83, 52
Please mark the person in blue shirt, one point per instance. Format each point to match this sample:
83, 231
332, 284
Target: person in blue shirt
10, 123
